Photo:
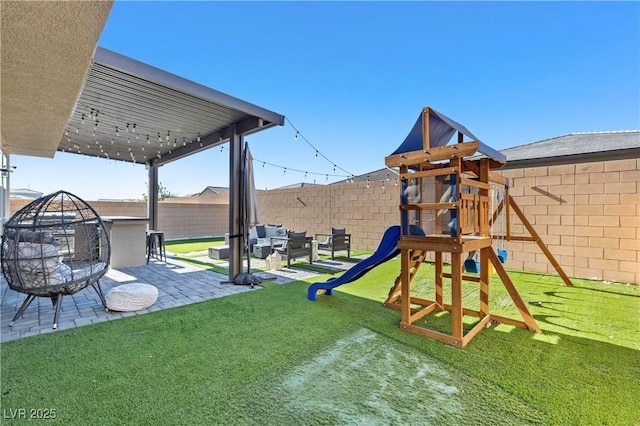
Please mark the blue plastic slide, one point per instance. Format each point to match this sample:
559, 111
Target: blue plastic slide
387, 250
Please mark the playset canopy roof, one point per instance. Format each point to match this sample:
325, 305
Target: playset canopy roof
441, 129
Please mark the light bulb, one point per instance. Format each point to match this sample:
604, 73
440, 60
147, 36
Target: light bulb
295, 138
117, 131
82, 119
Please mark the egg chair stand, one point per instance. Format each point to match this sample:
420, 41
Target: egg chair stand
55, 246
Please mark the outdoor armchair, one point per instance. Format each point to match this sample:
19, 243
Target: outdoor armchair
295, 245
338, 240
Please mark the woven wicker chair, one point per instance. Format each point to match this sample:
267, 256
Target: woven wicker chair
54, 246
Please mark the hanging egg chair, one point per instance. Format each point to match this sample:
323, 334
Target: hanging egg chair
54, 246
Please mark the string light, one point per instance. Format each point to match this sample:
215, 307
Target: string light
117, 131
367, 182
82, 119
199, 138
295, 138
148, 141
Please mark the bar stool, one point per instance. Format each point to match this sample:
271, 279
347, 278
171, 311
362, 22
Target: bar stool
155, 245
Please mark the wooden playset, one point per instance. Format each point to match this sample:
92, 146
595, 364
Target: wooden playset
465, 198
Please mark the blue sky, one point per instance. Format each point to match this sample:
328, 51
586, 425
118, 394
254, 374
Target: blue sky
352, 77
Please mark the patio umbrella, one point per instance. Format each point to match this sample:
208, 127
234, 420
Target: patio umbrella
249, 200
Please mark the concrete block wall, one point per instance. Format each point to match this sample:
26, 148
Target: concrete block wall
588, 215
365, 212
177, 220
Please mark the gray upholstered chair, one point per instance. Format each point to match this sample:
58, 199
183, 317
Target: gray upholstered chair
338, 240
295, 245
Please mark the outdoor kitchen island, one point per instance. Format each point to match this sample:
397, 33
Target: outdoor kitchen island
128, 236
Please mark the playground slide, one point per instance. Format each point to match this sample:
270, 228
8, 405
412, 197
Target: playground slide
387, 250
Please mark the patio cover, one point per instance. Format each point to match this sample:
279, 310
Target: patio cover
110, 103
441, 130
131, 111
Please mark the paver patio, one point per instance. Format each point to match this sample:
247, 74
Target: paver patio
178, 284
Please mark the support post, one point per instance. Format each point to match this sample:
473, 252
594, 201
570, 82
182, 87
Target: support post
541, 244
5, 206
236, 240
456, 297
152, 196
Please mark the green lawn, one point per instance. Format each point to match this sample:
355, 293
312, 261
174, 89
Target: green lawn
193, 245
272, 357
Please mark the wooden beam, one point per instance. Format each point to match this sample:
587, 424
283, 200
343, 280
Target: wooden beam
470, 278
540, 243
493, 177
439, 275
429, 206
474, 183
429, 173
456, 296
476, 329
405, 294
446, 152
432, 334
426, 135
511, 289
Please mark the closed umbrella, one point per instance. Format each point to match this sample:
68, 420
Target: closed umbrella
249, 201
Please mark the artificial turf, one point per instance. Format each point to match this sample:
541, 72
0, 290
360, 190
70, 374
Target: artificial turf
272, 357
193, 244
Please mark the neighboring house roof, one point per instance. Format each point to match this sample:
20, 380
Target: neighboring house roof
380, 175
212, 190
298, 185
25, 193
575, 148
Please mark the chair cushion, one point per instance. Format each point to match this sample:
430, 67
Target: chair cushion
262, 232
275, 231
339, 231
291, 234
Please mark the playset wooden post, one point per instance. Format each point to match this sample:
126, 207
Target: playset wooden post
470, 225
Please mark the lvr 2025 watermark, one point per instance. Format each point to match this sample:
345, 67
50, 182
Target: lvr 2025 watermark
29, 413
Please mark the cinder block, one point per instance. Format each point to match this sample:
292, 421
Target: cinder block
620, 188
618, 254
618, 276
609, 221
600, 198
604, 264
591, 188
589, 168
612, 243
588, 231
588, 273
568, 169
619, 165
620, 210
605, 177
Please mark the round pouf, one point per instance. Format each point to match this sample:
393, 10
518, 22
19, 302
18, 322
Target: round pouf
131, 297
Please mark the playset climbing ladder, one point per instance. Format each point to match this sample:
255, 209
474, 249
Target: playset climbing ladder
424, 155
